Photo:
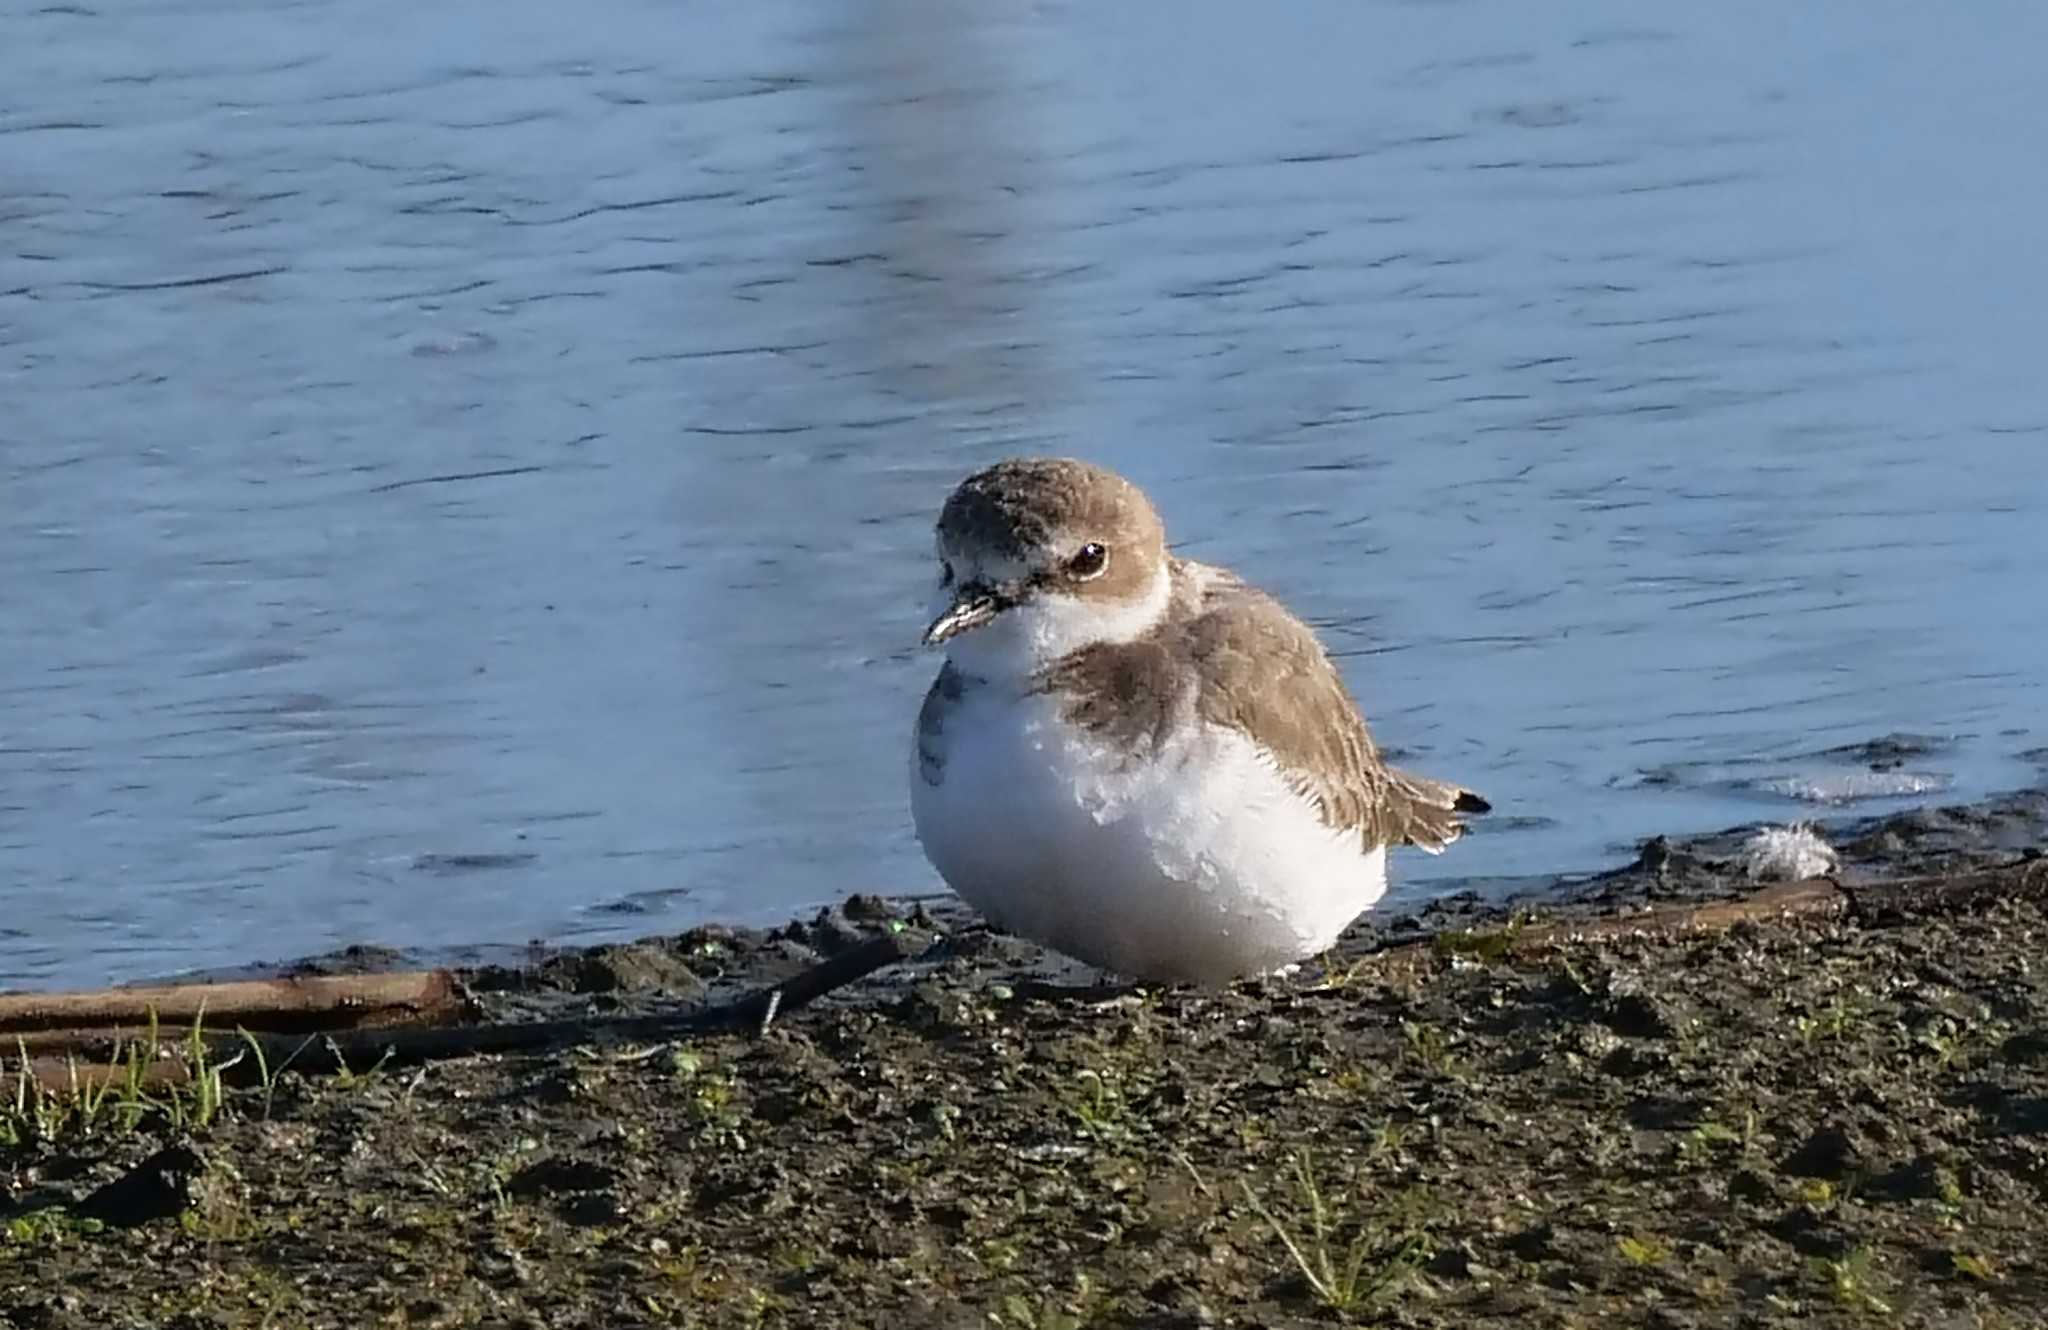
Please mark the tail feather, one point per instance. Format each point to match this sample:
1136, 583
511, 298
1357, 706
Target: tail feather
1428, 809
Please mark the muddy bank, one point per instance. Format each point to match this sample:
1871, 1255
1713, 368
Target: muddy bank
1835, 1117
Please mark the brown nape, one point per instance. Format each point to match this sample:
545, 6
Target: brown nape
1029, 507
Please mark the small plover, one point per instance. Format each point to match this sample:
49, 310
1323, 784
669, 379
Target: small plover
1139, 760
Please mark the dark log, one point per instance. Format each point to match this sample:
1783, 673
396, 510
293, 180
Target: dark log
359, 1049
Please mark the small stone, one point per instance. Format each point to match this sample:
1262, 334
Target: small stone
1638, 1016
1536, 1243
1915, 1179
866, 909
160, 1187
2029, 1046
592, 1209
549, 1176
1628, 1062
1746, 1184
1452, 1262
1596, 1041
632, 967
2024, 1115
1831, 1153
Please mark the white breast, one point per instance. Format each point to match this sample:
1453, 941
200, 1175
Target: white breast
1200, 864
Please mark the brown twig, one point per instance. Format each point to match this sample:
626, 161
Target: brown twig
1806, 899
281, 1005
359, 1049
1812, 898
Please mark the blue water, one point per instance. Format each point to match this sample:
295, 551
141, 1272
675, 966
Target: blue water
466, 470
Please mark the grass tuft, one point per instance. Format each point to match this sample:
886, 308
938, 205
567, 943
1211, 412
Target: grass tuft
1349, 1263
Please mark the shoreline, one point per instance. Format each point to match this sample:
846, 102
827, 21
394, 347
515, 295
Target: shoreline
1829, 1114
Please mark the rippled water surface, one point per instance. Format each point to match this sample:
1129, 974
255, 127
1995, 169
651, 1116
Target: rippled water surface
466, 469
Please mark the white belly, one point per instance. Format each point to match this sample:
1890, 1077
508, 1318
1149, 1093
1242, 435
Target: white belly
1202, 864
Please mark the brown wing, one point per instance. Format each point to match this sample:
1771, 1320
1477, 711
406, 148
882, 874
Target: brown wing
1264, 671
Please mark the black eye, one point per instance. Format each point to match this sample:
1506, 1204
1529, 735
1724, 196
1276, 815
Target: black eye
1088, 562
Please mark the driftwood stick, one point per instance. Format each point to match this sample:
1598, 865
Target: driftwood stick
1805, 899
1881, 903
358, 1050
281, 1005
1812, 898
1871, 904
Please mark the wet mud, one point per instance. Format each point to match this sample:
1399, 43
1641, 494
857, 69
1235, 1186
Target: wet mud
1828, 1118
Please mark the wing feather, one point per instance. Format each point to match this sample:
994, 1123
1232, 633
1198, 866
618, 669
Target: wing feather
1264, 671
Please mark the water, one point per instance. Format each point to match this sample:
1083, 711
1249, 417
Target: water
467, 468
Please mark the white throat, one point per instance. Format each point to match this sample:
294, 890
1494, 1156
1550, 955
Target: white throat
1026, 638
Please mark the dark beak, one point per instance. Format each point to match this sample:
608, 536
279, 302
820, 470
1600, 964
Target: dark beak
974, 605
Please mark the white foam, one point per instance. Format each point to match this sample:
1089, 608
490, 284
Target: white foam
1788, 854
1850, 786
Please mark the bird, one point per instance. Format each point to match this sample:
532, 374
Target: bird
1138, 760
